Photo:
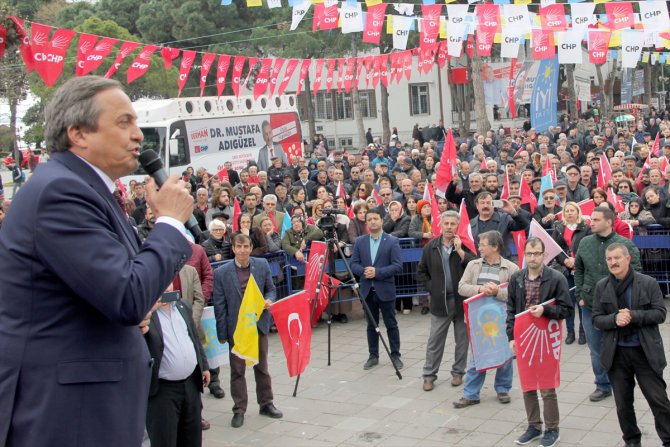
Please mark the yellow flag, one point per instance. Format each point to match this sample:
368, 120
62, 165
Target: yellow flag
372, 2
246, 332
251, 3
521, 2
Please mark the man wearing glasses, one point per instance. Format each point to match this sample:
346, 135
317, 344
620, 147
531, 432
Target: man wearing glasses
576, 191
387, 195
545, 214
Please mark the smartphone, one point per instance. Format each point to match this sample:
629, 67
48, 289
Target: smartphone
498, 204
169, 297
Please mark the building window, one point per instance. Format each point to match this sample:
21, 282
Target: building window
346, 142
368, 103
419, 101
343, 109
323, 106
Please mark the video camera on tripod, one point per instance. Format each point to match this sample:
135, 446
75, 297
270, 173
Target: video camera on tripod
327, 222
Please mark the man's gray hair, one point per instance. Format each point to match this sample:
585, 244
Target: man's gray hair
74, 105
216, 224
450, 214
493, 238
473, 175
270, 198
618, 246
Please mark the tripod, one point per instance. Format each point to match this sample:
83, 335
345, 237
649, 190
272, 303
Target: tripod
333, 246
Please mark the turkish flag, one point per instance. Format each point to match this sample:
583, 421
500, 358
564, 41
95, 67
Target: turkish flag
141, 63
221, 72
605, 172
291, 317
124, 51
598, 44
548, 169
656, 148
317, 258
586, 206
238, 66
619, 15
504, 194
553, 17
169, 54
86, 43
464, 231
276, 69
304, 69
49, 55
538, 350
207, 62
527, 196
615, 200
187, 58
374, 20
290, 68
445, 173
430, 24
261, 85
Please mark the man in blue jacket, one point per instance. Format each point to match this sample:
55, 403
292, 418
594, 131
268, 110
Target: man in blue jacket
376, 260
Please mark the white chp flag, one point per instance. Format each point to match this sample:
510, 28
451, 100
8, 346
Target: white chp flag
406, 9
551, 247
631, 48
299, 12
515, 20
570, 46
274, 4
401, 26
352, 18
654, 15
456, 29
582, 15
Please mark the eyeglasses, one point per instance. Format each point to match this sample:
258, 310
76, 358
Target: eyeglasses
549, 198
218, 229
385, 194
534, 254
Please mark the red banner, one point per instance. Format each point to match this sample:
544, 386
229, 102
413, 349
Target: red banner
141, 63
206, 65
527, 196
445, 173
520, 242
25, 49
349, 74
169, 55
599, 41
49, 55
124, 51
430, 25
276, 69
94, 57
619, 15
86, 44
376, 71
221, 72
435, 220
374, 20
407, 64
538, 350
442, 54
317, 258
238, 66
291, 316
604, 172
340, 73
290, 68
304, 69
330, 73
383, 72
318, 76
187, 59
237, 211
488, 22
369, 63
325, 17
553, 18
252, 63
261, 85
542, 44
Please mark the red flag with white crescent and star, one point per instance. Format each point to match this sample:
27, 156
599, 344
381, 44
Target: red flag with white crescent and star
291, 317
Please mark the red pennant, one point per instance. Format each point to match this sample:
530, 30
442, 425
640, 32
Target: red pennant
442, 54
504, 195
615, 200
276, 69
488, 16
187, 59
511, 105
86, 44
656, 148
541, 42
318, 76
349, 74
318, 16
237, 212
393, 69
420, 59
141, 63
464, 231
445, 173
291, 317
383, 71
470, 46
238, 66
360, 61
599, 41
169, 54
290, 68
124, 51
49, 55
304, 69
261, 85
330, 73
548, 169
3, 40
25, 49
369, 64
527, 196
374, 20
619, 15
553, 18
206, 64
520, 242
435, 221
340, 73
429, 58
252, 64
221, 72
376, 71
430, 24
407, 64
604, 172
94, 58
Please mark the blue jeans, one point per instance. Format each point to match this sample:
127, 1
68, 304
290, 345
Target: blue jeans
387, 309
474, 381
593, 339
570, 321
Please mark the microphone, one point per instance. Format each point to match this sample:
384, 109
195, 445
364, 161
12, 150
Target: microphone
153, 165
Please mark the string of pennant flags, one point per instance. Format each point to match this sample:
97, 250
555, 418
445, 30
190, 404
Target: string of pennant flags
624, 35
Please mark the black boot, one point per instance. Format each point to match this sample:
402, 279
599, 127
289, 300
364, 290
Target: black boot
582, 339
570, 339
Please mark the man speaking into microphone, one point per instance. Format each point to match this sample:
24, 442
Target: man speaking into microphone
74, 368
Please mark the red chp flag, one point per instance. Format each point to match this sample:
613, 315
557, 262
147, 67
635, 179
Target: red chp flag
124, 51
435, 221
187, 58
340, 72
553, 17
442, 54
207, 62
445, 173
276, 69
541, 41
86, 44
25, 49
349, 74
464, 231
317, 257
169, 54
325, 17
252, 64
619, 15
238, 66
141, 63
383, 69
290, 68
330, 73
304, 69
656, 148
95, 57
604, 172
49, 55
221, 72
430, 25
538, 350
488, 16
261, 85
291, 316
374, 20
598, 45
318, 76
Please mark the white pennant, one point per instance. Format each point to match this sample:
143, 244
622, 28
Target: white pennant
569, 46
299, 12
509, 46
631, 48
352, 17
654, 15
401, 26
274, 4
329, 3
582, 15
404, 9
516, 20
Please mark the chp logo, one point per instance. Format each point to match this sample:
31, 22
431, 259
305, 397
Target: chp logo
489, 17
554, 16
541, 344
330, 16
200, 149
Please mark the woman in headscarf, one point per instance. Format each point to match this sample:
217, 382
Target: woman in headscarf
396, 222
420, 227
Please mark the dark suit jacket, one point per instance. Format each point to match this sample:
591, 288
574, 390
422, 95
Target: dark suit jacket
263, 160
154, 339
387, 265
74, 368
227, 297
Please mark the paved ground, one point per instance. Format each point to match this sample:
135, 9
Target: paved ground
343, 405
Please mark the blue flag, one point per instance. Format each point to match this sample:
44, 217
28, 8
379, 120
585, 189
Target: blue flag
547, 183
544, 100
486, 320
286, 224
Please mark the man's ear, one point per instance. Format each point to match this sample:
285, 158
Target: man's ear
76, 136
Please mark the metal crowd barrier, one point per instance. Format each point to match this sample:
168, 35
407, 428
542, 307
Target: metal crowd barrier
654, 245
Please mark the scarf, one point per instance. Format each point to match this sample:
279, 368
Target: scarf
426, 227
620, 288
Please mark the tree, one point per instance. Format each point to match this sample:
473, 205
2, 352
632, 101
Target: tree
34, 120
483, 123
572, 94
